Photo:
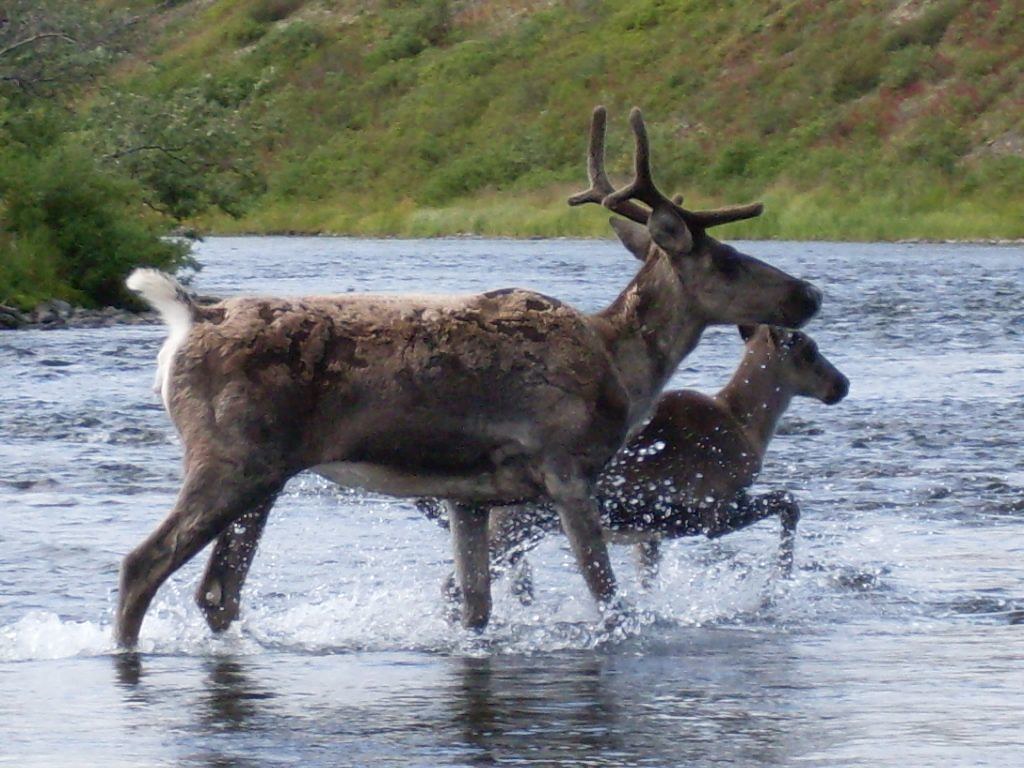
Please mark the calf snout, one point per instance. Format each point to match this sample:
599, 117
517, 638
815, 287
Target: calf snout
804, 302
840, 389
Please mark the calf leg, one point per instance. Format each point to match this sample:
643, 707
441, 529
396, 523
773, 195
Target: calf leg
513, 531
789, 515
522, 580
219, 594
472, 562
747, 510
648, 559
214, 493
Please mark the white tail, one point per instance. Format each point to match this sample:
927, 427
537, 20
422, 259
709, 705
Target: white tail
167, 296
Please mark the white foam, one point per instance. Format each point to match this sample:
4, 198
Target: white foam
44, 635
701, 584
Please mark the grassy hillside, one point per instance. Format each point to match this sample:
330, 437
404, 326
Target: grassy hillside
851, 120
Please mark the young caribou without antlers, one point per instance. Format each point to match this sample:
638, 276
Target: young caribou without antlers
688, 471
482, 400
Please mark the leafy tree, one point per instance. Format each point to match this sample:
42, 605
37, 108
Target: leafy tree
88, 193
49, 46
190, 152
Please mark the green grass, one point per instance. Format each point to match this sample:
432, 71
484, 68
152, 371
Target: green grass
420, 118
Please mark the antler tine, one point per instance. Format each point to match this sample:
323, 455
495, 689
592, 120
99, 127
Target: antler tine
600, 185
713, 218
642, 187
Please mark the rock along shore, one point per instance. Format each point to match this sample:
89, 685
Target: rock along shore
60, 314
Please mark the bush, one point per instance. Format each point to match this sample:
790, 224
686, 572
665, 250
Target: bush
246, 32
859, 73
906, 66
926, 29
269, 11
71, 230
937, 142
189, 151
412, 30
736, 161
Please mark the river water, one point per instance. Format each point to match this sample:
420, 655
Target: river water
899, 641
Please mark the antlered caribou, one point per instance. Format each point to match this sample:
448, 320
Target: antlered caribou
482, 400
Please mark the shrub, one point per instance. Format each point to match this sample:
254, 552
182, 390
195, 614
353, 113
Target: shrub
70, 229
412, 30
269, 11
927, 28
906, 66
246, 32
736, 161
859, 73
937, 142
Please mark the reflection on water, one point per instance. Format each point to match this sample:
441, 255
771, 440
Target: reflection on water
718, 702
898, 641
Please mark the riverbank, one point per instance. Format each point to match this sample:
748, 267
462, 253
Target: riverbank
53, 314
822, 215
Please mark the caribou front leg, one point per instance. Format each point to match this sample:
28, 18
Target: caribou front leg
219, 594
573, 497
472, 562
747, 510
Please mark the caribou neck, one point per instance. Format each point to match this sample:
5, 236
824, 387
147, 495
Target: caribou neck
649, 329
756, 397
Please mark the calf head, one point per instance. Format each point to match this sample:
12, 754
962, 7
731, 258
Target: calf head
797, 363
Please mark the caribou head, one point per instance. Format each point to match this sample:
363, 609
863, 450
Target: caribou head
722, 284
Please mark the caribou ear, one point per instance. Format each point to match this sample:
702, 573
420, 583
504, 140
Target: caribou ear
668, 229
747, 331
634, 236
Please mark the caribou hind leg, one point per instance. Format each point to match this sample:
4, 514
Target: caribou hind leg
747, 510
213, 495
219, 594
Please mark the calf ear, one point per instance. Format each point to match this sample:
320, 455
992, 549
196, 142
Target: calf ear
779, 336
634, 236
746, 331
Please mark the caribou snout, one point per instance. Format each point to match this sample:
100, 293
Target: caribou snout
804, 303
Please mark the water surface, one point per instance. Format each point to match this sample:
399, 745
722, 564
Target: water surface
898, 642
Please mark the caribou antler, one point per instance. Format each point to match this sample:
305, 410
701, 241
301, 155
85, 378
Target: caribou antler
666, 222
642, 187
712, 218
600, 186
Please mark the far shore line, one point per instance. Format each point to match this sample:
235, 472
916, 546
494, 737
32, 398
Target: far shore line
1009, 241
56, 314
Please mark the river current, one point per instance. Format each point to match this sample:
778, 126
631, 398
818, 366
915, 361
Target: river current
898, 641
